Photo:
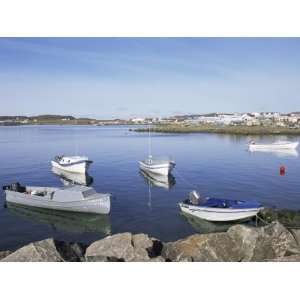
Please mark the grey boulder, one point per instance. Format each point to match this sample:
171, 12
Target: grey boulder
42, 251
124, 247
203, 247
268, 242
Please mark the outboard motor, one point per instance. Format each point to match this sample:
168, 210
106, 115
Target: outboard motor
194, 198
5, 187
15, 187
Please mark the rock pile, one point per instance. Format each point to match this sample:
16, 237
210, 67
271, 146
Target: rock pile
273, 242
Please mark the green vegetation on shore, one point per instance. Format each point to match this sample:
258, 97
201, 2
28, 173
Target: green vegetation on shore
243, 130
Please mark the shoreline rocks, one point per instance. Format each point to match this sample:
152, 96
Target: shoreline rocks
125, 247
240, 243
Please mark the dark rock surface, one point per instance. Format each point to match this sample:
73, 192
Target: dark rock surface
71, 251
3, 254
288, 218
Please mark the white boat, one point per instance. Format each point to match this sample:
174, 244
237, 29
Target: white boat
74, 164
219, 210
156, 166
277, 152
69, 178
74, 198
279, 145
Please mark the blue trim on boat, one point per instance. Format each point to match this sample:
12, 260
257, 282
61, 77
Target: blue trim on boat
227, 203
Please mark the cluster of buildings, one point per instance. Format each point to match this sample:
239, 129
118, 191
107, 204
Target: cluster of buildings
272, 119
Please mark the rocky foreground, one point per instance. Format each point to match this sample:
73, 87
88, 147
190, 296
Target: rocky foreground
241, 243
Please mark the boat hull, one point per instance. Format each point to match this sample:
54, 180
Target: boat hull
287, 146
80, 167
100, 205
219, 214
160, 169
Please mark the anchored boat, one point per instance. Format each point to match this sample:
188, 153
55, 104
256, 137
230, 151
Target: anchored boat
156, 166
74, 164
73, 198
219, 210
277, 152
279, 145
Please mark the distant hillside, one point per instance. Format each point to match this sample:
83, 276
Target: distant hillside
44, 120
4, 118
52, 117
39, 117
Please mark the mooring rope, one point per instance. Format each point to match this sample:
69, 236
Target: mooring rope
262, 220
175, 171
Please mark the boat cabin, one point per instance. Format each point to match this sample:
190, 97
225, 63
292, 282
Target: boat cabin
74, 193
65, 194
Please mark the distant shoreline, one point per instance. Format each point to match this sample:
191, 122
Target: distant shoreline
6, 124
238, 130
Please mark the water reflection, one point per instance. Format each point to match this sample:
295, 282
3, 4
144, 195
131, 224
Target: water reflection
161, 181
278, 152
203, 226
68, 178
60, 220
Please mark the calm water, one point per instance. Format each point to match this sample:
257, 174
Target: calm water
218, 165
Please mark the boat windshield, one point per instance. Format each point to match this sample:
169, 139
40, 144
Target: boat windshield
88, 193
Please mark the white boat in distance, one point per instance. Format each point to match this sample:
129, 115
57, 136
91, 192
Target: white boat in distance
75, 198
279, 145
156, 166
277, 152
219, 210
74, 164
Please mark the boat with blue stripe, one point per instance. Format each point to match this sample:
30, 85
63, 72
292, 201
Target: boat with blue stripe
220, 210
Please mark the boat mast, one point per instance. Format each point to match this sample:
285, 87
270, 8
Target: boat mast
149, 142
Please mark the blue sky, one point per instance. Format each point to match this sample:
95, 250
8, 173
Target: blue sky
132, 77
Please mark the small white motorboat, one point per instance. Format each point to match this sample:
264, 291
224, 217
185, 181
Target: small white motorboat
157, 166
74, 198
74, 164
219, 210
279, 145
69, 178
